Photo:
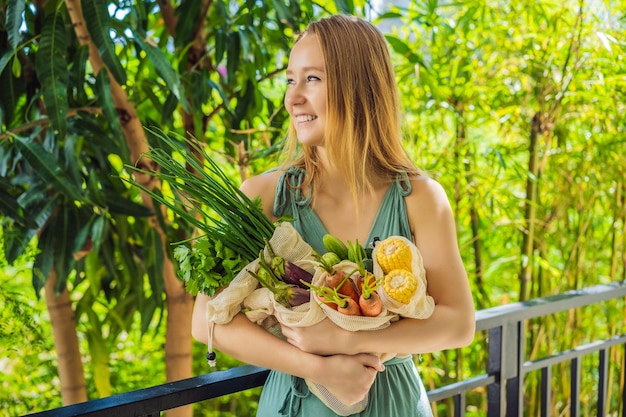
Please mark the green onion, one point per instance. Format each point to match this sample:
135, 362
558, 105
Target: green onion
206, 198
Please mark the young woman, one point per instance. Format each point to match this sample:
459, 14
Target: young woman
347, 174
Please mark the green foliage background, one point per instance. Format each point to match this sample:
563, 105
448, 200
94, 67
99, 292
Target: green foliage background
517, 108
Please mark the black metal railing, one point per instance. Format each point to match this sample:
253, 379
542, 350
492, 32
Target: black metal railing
503, 380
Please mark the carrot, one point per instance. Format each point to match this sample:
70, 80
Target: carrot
349, 288
329, 303
371, 306
343, 284
337, 301
361, 281
349, 307
333, 279
369, 300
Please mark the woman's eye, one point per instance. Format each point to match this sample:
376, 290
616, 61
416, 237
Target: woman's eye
290, 81
312, 78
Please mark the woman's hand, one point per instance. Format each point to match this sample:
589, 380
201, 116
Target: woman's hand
349, 377
323, 338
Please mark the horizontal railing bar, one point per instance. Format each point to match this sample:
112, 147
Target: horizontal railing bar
570, 354
163, 397
496, 316
456, 388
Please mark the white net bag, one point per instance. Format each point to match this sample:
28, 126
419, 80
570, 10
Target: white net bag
260, 306
286, 243
421, 305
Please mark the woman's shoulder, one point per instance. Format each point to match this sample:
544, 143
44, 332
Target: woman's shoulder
427, 194
263, 186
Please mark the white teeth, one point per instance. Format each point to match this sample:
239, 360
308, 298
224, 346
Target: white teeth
306, 118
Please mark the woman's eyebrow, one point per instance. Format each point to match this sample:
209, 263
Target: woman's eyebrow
307, 68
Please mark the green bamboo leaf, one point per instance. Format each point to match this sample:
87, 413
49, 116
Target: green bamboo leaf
5, 59
13, 19
153, 258
220, 45
99, 231
44, 260
121, 205
232, 57
188, 12
283, 13
96, 13
17, 238
47, 169
162, 67
244, 103
52, 71
345, 6
9, 207
11, 88
99, 354
103, 87
402, 48
64, 226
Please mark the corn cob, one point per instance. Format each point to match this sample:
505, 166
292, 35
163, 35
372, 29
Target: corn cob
394, 253
400, 285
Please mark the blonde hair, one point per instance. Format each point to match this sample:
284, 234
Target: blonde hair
363, 135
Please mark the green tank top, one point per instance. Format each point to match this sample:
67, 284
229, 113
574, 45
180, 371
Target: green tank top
391, 219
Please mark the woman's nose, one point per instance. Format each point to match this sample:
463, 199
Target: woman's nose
294, 95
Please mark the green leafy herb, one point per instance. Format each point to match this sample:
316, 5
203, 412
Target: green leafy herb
232, 227
207, 265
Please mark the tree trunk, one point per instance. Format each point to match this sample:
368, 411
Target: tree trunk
179, 304
178, 341
71, 374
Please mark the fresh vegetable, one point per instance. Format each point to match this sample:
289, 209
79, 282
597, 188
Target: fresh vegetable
393, 253
369, 300
330, 259
371, 306
289, 295
334, 245
296, 275
348, 287
206, 265
356, 252
349, 307
200, 195
334, 278
400, 285
287, 271
337, 301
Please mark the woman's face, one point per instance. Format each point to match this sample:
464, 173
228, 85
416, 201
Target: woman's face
305, 98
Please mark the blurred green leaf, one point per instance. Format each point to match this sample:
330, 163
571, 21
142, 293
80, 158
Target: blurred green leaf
47, 168
52, 70
99, 26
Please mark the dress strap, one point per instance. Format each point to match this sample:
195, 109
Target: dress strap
404, 184
289, 193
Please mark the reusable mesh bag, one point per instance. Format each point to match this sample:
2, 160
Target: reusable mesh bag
260, 306
421, 305
287, 243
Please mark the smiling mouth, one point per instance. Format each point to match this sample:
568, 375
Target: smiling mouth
306, 118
